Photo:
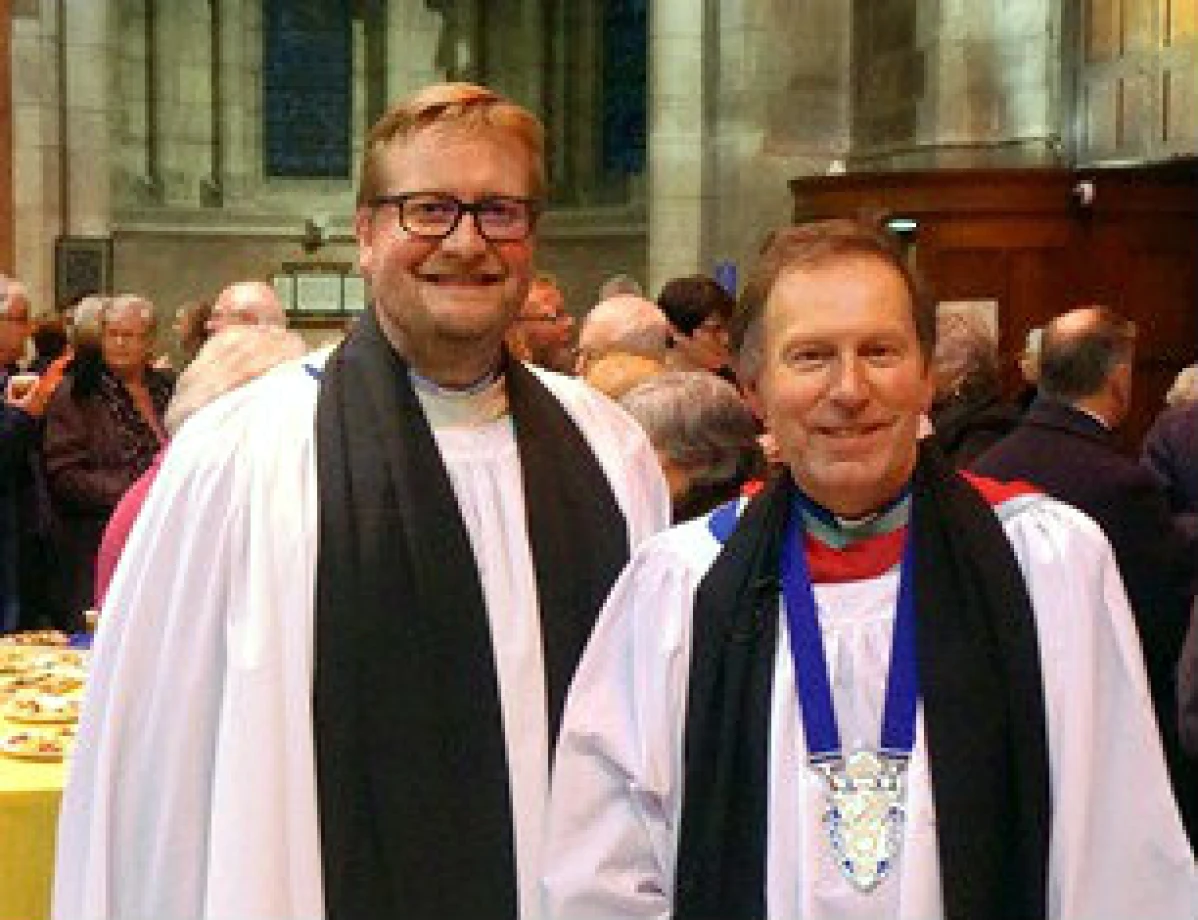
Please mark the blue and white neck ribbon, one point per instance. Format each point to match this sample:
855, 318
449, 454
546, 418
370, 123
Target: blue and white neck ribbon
866, 790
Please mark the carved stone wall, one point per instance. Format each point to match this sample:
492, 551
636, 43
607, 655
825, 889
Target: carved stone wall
956, 83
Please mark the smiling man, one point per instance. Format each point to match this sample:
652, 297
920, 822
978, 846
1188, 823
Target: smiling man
342, 630
878, 690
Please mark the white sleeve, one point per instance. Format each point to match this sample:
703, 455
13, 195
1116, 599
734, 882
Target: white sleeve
623, 451
1118, 848
192, 785
616, 790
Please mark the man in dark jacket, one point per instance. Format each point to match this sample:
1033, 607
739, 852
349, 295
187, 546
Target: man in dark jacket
17, 433
1064, 446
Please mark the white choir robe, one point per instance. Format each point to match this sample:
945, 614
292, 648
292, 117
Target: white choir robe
1117, 846
192, 792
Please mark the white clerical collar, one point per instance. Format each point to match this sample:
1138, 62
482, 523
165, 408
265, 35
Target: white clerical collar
478, 404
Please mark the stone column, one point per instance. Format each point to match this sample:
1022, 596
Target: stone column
87, 109
37, 178
677, 139
414, 35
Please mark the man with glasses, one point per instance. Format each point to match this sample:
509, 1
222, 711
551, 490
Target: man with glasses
339, 639
544, 330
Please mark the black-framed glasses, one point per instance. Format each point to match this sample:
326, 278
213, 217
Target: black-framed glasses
435, 215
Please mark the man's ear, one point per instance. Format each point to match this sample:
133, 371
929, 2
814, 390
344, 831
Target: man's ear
753, 398
929, 389
364, 232
1120, 386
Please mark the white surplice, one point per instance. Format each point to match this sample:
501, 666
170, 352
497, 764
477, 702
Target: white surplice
192, 792
1117, 846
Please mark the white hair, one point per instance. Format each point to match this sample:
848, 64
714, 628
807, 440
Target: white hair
700, 422
135, 304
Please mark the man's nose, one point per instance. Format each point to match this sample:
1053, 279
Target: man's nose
849, 383
465, 237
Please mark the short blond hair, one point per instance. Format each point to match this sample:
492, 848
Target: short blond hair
464, 107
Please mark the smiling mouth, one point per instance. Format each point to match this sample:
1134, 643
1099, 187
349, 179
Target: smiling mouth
852, 432
473, 279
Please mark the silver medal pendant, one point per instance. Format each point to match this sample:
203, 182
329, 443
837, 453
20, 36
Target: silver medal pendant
864, 815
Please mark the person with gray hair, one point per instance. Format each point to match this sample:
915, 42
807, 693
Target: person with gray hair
704, 434
18, 439
625, 323
968, 412
103, 429
228, 360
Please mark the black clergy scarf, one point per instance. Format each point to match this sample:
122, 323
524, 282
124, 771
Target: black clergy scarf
979, 681
415, 811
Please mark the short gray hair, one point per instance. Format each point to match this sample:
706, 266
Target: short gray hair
966, 356
228, 360
136, 304
701, 423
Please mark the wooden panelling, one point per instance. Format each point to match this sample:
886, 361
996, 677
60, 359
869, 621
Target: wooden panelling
1139, 25
1179, 109
1102, 31
1019, 237
1181, 20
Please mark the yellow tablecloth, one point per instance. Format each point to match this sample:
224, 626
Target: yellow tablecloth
29, 798
30, 793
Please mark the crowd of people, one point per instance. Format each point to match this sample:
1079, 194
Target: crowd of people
701, 606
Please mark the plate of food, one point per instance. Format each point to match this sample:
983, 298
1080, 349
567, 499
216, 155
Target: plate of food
35, 745
52, 637
42, 709
13, 661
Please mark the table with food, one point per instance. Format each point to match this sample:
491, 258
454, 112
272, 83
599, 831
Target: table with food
41, 690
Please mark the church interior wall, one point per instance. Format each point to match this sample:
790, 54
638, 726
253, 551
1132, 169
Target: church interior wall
742, 97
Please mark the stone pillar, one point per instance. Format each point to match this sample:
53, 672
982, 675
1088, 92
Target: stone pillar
6, 148
677, 139
957, 84
184, 115
414, 36
241, 107
37, 178
88, 53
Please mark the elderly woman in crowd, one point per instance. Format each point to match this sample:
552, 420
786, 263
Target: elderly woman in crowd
103, 428
704, 435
